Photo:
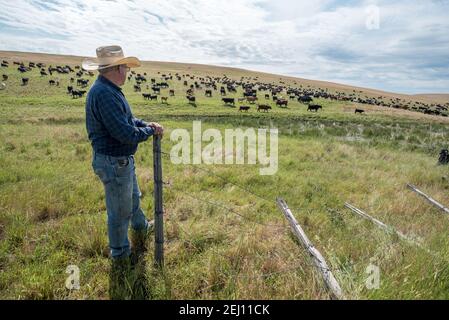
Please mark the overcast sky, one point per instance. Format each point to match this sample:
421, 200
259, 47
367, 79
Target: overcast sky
393, 45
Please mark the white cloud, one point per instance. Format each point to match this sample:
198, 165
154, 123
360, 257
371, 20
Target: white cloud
323, 39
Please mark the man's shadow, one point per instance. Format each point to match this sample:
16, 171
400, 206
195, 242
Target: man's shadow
127, 277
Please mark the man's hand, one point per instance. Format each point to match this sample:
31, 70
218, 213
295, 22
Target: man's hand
158, 129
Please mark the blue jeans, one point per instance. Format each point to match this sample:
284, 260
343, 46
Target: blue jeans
122, 200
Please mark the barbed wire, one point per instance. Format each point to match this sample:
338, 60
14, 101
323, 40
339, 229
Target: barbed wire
222, 206
271, 202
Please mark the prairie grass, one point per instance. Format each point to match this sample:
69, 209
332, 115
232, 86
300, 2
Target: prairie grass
223, 242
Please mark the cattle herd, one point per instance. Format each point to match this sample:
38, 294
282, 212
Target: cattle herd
253, 90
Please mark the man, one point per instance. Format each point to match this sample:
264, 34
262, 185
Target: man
114, 134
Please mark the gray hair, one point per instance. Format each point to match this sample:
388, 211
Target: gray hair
106, 70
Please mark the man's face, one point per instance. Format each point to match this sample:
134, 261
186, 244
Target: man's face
123, 70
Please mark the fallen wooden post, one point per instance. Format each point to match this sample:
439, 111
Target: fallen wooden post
382, 225
329, 279
432, 201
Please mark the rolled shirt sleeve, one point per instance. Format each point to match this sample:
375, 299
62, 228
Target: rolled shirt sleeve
140, 123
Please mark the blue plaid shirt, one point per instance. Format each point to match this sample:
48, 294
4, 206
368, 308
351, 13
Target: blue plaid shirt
111, 127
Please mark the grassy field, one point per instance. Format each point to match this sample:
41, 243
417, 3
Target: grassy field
224, 241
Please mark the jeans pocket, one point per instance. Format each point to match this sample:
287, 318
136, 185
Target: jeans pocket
102, 173
123, 166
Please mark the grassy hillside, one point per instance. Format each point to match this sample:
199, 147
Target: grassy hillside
225, 237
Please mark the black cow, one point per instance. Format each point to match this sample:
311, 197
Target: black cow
149, 96
208, 93
137, 88
69, 89
314, 107
359, 111
5, 77
228, 101
444, 157
83, 83
5, 65
78, 93
282, 102
263, 107
156, 90
52, 82
244, 108
171, 93
305, 99
25, 81
192, 99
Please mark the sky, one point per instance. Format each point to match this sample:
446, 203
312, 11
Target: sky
396, 45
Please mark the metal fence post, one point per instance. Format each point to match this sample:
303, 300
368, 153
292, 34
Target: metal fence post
158, 206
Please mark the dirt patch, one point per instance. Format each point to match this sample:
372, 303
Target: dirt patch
47, 213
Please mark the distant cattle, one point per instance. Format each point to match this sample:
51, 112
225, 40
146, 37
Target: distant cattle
69, 89
149, 96
137, 88
443, 157
267, 96
244, 108
208, 93
314, 107
82, 82
164, 100
305, 99
282, 102
78, 93
171, 93
141, 78
51, 82
25, 81
359, 111
156, 90
251, 99
43, 73
4, 65
5, 77
191, 99
228, 101
263, 107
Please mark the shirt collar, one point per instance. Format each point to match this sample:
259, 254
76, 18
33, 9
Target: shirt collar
108, 82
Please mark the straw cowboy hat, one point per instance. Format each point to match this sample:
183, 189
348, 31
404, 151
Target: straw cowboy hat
109, 56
